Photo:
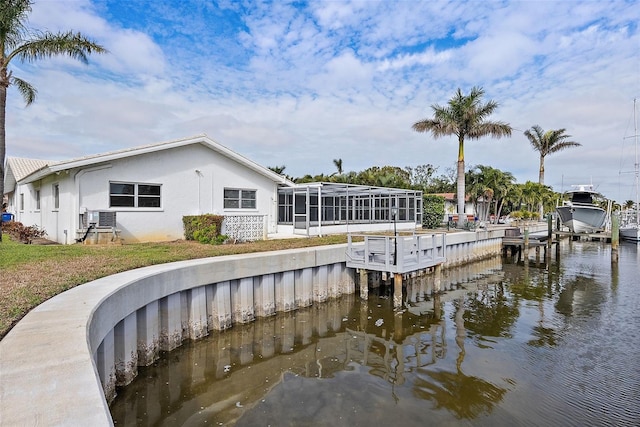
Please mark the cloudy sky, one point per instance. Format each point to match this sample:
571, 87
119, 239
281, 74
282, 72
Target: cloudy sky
300, 84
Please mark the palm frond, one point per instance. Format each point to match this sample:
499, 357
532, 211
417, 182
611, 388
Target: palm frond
536, 138
13, 15
74, 45
27, 91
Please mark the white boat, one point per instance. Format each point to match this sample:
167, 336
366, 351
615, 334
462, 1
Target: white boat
630, 221
580, 214
630, 226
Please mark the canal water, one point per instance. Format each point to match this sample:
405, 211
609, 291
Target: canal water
509, 343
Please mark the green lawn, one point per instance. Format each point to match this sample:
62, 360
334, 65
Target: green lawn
31, 274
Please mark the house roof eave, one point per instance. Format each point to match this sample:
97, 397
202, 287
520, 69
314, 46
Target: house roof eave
56, 167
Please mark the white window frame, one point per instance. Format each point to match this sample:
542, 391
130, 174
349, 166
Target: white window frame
246, 199
136, 196
55, 189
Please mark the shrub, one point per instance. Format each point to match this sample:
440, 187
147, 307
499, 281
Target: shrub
24, 234
204, 228
432, 211
516, 215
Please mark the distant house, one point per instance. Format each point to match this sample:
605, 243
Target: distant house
141, 194
451, 206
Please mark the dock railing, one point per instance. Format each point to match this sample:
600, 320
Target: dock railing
396, 254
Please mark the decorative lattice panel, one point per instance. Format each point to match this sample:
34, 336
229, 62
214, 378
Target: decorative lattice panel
244, 228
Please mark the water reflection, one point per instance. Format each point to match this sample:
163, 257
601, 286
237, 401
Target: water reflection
500, 337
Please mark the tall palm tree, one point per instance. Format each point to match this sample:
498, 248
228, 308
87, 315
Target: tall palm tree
16, 41
548, 142
465, 116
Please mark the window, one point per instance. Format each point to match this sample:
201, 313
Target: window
21, 201
285, 208
56, 196
131, 195
239, 199
38, 200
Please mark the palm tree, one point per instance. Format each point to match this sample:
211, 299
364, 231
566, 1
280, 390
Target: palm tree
338, 164
18, 42
492, 185
548, 142
465, 116
500, 182
277, 169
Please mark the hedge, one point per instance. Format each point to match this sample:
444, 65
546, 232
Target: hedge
432, 211
204, 228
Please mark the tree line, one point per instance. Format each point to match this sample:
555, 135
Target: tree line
467, 117
492, 191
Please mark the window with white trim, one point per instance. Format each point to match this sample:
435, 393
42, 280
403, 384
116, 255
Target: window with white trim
37, 200
236, 198
134, 195
56, 196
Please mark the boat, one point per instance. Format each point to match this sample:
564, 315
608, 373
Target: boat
630, 221
630, 225
580, 214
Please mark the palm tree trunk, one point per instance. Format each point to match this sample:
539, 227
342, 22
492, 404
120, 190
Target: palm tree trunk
3, 112
499, 209
462, 216
541, 182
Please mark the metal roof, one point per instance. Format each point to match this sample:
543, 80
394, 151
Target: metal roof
18, 168
52, 167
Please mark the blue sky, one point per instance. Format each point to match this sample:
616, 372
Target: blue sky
302, 83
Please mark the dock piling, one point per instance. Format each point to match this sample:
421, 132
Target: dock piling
397, 290
615, 237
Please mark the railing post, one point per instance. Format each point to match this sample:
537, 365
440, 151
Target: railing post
366, 251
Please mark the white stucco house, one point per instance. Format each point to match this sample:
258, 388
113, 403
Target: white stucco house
142, 193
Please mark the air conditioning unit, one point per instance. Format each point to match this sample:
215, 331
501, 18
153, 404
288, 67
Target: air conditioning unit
100, 219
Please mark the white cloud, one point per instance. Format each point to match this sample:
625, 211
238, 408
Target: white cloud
301, 86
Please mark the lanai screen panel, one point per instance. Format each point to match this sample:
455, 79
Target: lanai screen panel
334, 204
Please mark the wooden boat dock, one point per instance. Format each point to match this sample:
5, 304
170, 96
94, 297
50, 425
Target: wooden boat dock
397, 254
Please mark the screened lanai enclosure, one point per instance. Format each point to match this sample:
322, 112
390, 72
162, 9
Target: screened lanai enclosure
321, 208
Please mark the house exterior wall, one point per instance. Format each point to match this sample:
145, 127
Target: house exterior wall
192, 180
55, 220
451, 208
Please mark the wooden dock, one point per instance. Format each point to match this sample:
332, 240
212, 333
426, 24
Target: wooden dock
604, 235
516, 243
396, 254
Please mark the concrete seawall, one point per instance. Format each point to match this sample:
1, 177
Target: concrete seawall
61, 363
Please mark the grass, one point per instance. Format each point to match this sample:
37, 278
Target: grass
31, 274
